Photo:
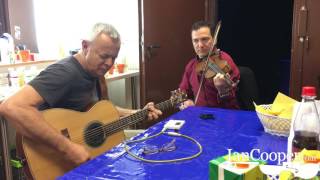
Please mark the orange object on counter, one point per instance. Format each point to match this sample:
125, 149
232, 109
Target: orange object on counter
24, 55
120, 68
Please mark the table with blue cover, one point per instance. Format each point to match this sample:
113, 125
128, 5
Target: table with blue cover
238, 131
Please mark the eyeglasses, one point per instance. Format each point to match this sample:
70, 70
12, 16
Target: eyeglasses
147, 150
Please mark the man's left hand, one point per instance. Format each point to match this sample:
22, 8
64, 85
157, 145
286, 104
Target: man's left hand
153, 113
221, 83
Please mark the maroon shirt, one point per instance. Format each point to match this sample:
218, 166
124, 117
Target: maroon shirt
209, 94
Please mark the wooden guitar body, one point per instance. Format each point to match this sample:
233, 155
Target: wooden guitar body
98, 129
79, 127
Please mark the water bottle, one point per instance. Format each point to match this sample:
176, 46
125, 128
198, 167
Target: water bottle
13, 78
305, 127
6, 49
4, 58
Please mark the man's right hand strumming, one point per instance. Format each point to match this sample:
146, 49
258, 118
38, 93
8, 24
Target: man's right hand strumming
76, 153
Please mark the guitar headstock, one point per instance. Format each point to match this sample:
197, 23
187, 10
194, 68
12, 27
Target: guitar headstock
177, 97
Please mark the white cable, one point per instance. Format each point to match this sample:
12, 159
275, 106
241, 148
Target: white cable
168, 160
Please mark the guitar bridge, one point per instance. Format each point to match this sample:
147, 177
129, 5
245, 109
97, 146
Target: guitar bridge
65, 133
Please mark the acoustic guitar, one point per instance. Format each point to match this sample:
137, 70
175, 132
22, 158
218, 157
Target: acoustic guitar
98, 129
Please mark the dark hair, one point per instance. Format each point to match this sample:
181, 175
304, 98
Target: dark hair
199, 24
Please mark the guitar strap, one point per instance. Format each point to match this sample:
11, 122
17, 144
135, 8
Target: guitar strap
102, 92
102, 89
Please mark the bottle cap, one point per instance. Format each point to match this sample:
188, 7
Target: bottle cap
308, 91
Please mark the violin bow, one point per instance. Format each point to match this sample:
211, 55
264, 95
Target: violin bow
215, 37
216, 32
214, 43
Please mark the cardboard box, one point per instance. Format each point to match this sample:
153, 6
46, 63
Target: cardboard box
221, 168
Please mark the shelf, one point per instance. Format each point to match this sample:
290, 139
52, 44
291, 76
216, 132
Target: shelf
7, 91
26, 63
117, 76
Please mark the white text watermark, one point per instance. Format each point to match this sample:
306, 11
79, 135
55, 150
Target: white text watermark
257, 155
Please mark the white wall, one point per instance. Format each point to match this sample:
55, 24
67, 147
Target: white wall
60, 25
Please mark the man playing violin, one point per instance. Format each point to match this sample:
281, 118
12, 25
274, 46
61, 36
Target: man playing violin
216, 91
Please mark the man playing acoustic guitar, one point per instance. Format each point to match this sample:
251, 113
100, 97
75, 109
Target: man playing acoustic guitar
71, 83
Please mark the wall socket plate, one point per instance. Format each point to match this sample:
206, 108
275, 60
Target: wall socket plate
174, 124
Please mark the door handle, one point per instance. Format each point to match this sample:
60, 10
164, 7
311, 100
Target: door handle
150, 50
153, 46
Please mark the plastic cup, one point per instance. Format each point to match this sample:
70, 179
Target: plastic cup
120, 68
24, 55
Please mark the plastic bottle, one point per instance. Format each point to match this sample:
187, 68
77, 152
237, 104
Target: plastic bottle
305, 128
13, 77
21, 76
4, 50
10, 48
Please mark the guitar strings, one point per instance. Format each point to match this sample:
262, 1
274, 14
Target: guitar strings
91, 133
115, 126
109, 129
106, 129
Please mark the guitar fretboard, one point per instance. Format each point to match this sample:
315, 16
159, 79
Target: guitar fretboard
134, 118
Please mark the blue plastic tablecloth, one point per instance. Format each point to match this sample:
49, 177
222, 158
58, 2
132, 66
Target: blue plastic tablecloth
238, 131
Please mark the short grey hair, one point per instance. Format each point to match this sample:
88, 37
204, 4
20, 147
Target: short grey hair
108, 29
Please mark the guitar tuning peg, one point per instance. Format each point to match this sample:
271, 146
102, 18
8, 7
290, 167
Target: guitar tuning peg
172, 93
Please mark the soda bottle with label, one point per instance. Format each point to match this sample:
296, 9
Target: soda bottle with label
306, 123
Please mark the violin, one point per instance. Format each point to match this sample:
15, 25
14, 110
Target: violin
214, 64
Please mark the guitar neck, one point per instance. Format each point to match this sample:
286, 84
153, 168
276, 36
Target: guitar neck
134, 118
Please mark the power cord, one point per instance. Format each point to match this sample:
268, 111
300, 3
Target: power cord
126, 147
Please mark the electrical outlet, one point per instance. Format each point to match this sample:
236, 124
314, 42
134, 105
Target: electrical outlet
174, 124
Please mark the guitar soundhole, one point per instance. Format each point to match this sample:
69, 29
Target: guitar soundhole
94, 134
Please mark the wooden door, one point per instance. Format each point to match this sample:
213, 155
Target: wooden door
4, 17
165, 43
305, 60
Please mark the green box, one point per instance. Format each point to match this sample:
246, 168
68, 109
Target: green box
221, 168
